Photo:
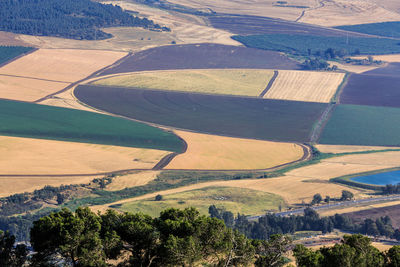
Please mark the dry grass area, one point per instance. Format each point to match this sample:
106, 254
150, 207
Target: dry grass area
353, 68
27, 89
37, 156
346, 148
310, 86
233, 81
185, 28
263, 8
349, 12
8, 38
62, 65
132, 180
235, 200
211, 152
16, 185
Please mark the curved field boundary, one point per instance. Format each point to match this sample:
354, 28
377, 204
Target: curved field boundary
270, 83
252, 118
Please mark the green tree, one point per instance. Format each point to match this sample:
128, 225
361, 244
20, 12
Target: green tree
392, 257
9, 255
317, 198
75, 237
347, 195
306, 257
272, 253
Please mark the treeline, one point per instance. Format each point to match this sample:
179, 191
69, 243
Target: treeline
391, 189
271, 224
76, 19
175, 238
354, 250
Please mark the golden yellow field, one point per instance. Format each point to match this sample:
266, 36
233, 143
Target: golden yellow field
386, 58
38, 156
346, 148
232, 81
263, 8
27, 89
211, 152
308, 86
348, 12
131, 180
62, 65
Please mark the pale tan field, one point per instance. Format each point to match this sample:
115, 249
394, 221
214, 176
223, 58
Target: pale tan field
63, 65
124, 39
263, 8
66, 99
308, 86
353, 68
38, 156
345, 148
27, 89
348, 12
233, 81
185, 28
8, 38
132, 180
211, 152
331, 212
16, 185
387, 58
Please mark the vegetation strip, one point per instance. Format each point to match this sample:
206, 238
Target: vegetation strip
269, 85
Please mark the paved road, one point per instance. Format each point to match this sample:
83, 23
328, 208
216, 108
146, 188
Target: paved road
334, 205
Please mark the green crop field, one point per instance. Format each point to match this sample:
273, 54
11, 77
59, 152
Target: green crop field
47, 122
236, 200
363, 125
10, 52
387, 29
299, 44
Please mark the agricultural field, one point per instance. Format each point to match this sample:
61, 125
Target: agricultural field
306, 86
211, 152
45, 122
264, 8
256, 118
248, 25
232, 81
9, 52
202, 56
61, 64
373, 90
11, 39
386, 29
300, 44
27, 89
362, 125
337, 149
132, 179
20, 156
392, 69
344, 12
392, 211
235, 200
